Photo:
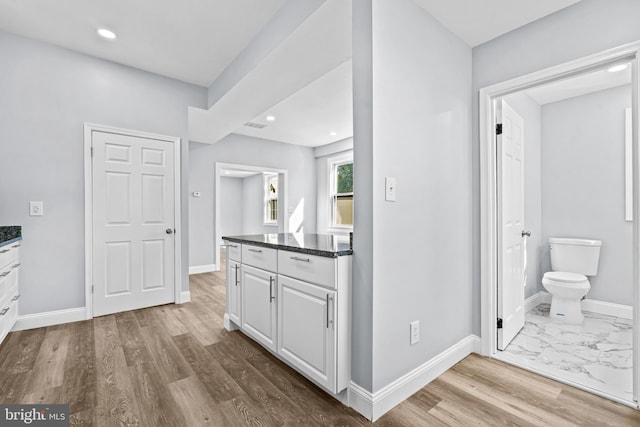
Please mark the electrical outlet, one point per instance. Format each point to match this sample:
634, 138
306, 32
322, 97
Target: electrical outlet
415, 332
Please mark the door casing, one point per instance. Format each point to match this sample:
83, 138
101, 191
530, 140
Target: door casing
488, 186
89, 128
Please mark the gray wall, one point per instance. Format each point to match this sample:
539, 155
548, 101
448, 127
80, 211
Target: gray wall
530, 111
419, 130
583, 184
231, 206
245, 150
587, 27
48, 93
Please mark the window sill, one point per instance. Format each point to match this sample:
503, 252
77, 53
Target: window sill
270, 224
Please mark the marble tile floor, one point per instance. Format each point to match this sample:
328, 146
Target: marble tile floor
596, 354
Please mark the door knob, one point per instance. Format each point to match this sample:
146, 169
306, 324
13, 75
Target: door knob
169, 231
526, 233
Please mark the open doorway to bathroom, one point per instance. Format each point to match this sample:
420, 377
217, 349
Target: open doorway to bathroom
571, 177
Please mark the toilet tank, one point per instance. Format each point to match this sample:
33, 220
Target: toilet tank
575, 255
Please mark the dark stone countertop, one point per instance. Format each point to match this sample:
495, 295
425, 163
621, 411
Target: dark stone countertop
326, 245
10, 234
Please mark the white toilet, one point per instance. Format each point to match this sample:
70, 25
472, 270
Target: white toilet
571, 261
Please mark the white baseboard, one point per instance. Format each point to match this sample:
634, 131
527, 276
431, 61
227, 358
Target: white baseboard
592, 305
608, 308
374, 405
185, 296
49, 318
197, 269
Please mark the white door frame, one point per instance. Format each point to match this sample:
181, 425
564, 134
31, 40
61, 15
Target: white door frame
488, 177
89, 128
283, 227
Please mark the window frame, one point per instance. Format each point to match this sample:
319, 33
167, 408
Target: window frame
267, 179
333, 164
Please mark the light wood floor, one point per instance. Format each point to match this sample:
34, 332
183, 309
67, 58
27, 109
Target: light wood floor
176, 365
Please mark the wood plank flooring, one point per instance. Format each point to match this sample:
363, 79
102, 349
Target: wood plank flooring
176, 365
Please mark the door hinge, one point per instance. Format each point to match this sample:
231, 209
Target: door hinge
499, 323
499, 129
91, 288
91, 151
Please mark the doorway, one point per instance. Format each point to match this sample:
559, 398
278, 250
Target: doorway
132, 212
492, 228
277, 208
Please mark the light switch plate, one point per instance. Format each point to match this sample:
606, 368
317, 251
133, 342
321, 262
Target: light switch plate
36, 208
390, 189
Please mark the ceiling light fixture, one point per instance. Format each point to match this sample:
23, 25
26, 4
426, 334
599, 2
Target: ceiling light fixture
332, 133
270, 118
617, 68
107, 34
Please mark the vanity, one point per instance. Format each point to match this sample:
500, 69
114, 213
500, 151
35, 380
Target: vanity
10, 239
291, 293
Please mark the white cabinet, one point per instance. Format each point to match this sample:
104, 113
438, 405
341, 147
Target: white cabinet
307, 329
296, 305
259, 289
9, 272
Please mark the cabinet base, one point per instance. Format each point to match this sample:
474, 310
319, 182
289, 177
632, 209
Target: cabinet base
228, 324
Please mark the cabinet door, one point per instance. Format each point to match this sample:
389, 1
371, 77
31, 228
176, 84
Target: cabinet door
233, 292
306, 329
259, 289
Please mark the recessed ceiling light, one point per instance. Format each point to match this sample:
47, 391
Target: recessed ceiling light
270, 118
619, 67
107, 34
227, 172
333, 133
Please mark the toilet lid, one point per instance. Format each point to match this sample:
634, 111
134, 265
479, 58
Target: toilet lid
562, 276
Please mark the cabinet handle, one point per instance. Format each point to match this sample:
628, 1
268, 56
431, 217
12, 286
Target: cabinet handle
3, 312
15, 246
233, 246
237, 266
329, 298
271, 296
255, 250
15, 265
295, 258
4, 251
6, 273
16, 298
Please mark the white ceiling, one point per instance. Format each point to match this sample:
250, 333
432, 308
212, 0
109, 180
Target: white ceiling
188, 40
195, 40
579, 85
478, 21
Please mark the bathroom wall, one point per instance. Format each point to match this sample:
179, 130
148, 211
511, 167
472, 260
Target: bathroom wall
583, 184
530, 112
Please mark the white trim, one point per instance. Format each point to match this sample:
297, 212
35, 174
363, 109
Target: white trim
197, 269
594, 306
375, 405
185, 296
89, 128
283, 210
49, 318
333, 148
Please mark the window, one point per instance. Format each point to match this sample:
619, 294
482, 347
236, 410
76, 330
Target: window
271, 199
342, 194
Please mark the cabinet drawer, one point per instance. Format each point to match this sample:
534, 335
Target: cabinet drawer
9, 253
310, 268
12, 279
233, 251
260, 257
4, 284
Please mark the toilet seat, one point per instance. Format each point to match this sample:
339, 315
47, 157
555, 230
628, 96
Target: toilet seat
564, 277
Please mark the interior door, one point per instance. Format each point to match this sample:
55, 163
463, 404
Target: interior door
511, 239
133, 222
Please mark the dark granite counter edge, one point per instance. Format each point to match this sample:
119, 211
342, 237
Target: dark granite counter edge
328, 254
8, 242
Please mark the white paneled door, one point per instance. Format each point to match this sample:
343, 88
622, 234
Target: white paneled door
133, 222
511, 232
